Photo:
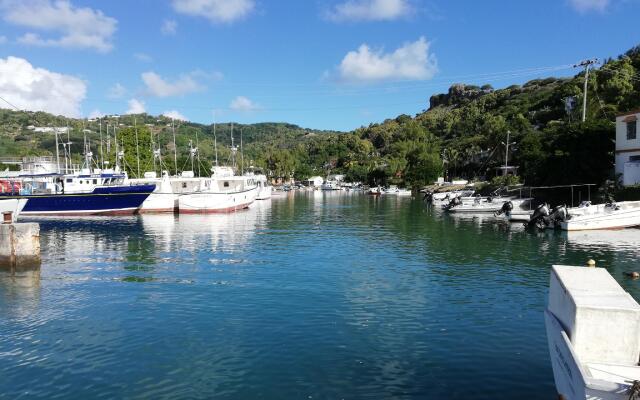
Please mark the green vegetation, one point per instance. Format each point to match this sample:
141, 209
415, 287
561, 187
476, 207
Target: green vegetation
460, 135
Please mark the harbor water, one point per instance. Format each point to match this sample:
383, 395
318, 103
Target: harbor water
311, 295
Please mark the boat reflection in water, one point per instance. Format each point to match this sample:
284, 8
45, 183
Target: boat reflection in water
20, 291
622, 239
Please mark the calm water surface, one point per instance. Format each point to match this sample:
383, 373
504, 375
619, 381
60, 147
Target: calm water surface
310, 295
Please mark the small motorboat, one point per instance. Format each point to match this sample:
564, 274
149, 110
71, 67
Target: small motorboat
619, 215
593, 331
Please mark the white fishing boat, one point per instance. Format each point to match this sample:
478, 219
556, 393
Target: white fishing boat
375, 191
162, 199
603, 216
403, 192
264, 188
593, 331
14, 206
222, 192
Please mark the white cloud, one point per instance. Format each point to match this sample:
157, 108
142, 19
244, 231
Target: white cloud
409, 62
143, 57
76, 27
136, 107
217, 11
117, 91
370, 10
38, 89
96, 114
584, 6
169, 27
160, 87
243, 104
175, 115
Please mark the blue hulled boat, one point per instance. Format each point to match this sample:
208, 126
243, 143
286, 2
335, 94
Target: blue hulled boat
47, 195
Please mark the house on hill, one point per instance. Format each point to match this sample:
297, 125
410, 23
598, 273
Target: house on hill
628, 148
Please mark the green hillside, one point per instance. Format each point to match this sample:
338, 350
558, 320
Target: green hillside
461, 134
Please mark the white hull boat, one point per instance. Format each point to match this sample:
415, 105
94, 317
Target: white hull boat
593, 328
162, 199
223, 192
486, 206
13, 206
603, 216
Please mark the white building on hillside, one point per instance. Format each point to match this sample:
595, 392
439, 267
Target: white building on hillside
628, 148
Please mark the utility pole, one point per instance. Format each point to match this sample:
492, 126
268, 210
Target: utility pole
586, 64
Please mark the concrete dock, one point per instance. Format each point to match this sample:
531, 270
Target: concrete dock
19, 247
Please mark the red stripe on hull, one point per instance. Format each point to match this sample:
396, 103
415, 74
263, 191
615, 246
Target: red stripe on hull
157, 210
80, 214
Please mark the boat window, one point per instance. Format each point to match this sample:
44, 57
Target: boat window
226, 184
631, 130
95, 181
69, 180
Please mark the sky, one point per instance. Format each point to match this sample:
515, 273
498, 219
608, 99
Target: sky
323, 64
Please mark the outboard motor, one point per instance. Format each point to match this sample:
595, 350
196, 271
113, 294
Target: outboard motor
454, 202
540, 217
506, 209
558, 214
428, 197
613, 206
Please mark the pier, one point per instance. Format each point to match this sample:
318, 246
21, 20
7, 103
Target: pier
19, 247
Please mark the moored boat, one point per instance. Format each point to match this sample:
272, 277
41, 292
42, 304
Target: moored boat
14, 206
222, 192
603, 216
593, 328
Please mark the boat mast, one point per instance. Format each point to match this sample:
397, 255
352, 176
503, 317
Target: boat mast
198, 152
241, 155
175, 149
215, 139
101, 152
135, 128
57, 151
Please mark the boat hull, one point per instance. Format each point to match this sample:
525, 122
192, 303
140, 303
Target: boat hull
614, 220
264, 193
216, 202
14, 206
103, 201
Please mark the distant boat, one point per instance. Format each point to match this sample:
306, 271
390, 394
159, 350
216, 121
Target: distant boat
330, 185
375, 191
222, 192
593, 332
484, 205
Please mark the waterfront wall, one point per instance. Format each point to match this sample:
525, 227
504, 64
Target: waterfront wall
19, 247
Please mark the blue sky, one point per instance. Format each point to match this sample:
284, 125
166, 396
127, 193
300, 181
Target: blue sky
326, 64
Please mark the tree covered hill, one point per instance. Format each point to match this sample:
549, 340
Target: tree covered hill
461, 134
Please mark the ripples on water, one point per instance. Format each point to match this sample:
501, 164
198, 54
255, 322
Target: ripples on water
307, 296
